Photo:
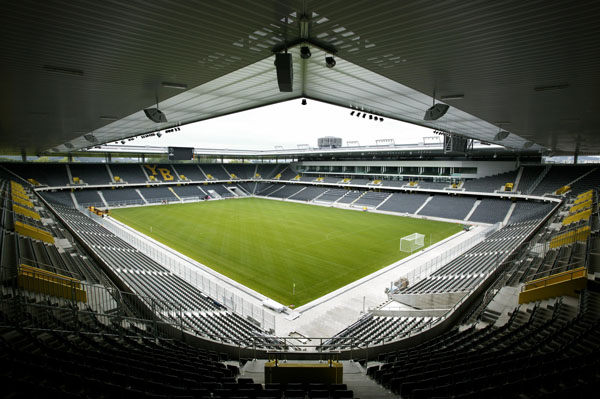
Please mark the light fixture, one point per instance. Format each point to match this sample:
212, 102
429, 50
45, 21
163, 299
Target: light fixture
501, 135
90, 137
69, 145
304, 101
371, 117
173, 85
452, 97
380, 119
358, 114
123, 141
436, 111
376, 119
351, 113
155, 114
305, 52
364, 115
330, 62
159, 134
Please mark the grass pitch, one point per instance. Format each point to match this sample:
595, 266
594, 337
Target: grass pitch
271, 245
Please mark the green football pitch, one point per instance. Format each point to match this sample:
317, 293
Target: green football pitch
274, 246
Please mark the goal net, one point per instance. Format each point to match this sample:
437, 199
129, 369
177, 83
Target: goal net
412, 242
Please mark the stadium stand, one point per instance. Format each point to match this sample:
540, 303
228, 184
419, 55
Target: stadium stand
350, 197
547, 352
191, 172
490, 183
285, 191
590, 181
448, 207
490, 211
157, 194
332, 195
221, 190
433, 185
372, 199
241, 171
308, 194
91, 174
404, 203
88, 197
122, 196
129, 173
558, 177
269, 171
188, 192
287, 174
62, 197
527, 210
202, 315
216, 171
160, 172
528, 177
48, 174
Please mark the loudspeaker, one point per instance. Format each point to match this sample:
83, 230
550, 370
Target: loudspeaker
436, 112
155, 115
285, 72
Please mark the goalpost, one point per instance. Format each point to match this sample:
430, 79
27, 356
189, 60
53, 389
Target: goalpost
412, 242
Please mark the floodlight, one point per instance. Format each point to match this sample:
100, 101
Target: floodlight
501, 135
435, 112
351, 113
330, 62
305, 52
155, 115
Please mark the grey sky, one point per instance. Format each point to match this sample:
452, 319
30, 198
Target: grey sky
287, 124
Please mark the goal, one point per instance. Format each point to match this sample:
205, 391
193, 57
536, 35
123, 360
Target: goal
412, 242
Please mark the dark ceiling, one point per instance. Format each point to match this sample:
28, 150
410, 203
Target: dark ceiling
65, 64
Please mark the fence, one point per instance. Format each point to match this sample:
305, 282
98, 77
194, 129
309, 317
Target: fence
426, 269
191, 273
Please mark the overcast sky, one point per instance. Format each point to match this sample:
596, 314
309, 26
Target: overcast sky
287, 124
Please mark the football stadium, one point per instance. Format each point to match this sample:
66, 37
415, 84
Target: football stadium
465, 264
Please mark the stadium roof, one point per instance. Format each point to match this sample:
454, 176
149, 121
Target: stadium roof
74, 68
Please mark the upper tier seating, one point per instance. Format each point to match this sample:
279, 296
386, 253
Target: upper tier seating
49, 174
216, 171
241, 171
490, 183
191, 172
559, 176
129, 173
92, 174
529, 175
